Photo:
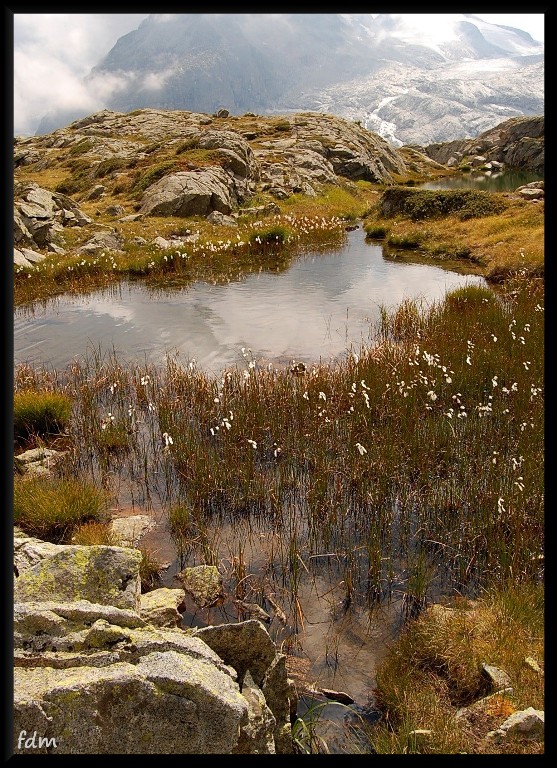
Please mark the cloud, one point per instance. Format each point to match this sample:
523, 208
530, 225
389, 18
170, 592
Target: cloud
53, 54
154, 81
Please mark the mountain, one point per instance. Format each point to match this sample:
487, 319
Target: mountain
408, 83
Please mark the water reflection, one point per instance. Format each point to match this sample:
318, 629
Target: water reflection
319, 308
501, 181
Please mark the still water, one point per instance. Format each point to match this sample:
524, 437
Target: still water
503, 181
321, 307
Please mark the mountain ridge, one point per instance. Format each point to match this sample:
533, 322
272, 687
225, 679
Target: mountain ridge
343, 64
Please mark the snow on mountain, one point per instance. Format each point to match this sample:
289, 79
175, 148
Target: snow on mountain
412, 78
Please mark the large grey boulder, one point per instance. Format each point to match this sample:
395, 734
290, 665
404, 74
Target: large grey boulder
166, 703
236, 153
101, 669
248, 648
297, 169
245, 646
190, 193
100, 574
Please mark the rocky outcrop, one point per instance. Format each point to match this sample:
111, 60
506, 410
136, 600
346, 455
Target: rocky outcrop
39, 218
518, 143
102, 669
317, 149
190, 193
159, 163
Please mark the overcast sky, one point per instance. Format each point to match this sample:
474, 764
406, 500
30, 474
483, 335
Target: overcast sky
54, 52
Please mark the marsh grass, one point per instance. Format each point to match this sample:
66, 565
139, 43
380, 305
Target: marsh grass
418, 460
40, 413
52, 509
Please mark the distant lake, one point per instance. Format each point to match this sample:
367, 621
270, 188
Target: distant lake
504, 181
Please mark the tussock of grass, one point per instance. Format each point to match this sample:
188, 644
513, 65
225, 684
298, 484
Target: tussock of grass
272, 237
93, 533
40, 413
435, 667
376, 231
405, 242
52, 509
150, 570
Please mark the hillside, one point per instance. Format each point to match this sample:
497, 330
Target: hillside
139, 184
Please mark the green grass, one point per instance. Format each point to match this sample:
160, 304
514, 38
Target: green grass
498, 245
52, 509
40, 413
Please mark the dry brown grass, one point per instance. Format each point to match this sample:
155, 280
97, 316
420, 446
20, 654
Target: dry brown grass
435, 669
498, 244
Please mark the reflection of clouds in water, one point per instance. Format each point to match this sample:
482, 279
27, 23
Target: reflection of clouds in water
321, 307
117, 311
399, 281
274, 322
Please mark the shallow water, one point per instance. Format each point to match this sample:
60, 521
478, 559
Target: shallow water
322, 306
337, 646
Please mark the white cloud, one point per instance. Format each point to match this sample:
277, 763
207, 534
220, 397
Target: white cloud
53, 53
154, 81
